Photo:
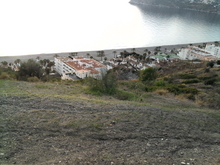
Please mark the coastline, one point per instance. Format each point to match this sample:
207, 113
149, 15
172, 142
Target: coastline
108, 52
148, 4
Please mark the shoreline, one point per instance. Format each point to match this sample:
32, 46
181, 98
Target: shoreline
108, 52
147, 4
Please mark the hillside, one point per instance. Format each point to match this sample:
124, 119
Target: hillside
186, 4
63, 123
168, 115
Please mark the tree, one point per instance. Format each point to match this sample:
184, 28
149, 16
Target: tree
210, 64
101, 54
148, 74
88, 55
133, 50
17, 61
91, 57
37, 58
4, 63
31, 68
56, 55
50, 64
73, 54
114, 53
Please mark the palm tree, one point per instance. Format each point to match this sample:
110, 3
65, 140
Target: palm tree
165, 50
98, 52
88, 55
102, 54
91, 57
133, 50
17, 61
56, 55
146, 50
37, 58
114, 53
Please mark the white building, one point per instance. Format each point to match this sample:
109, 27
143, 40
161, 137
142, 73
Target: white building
192, 52
214, 50
80, 66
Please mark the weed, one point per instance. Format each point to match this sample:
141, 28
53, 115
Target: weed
190, 81
42, 86
124, 95
162, 92
187, 76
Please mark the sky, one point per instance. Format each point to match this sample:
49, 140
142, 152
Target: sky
42, 26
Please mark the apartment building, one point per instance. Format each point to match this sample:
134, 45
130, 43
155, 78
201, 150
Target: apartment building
80, 66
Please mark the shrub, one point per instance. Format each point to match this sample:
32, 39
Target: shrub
33, 79
4, 75
29, 69
218, 62
107, 85
124, 95
204, 78
160, 82
190, 81
207, 70
161, 91
187, 76
182, 89
134, 85
148, 74
210, 81
210, 64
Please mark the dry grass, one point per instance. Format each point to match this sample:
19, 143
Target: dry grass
162, 92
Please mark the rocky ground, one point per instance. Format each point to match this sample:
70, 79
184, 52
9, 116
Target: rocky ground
53, 130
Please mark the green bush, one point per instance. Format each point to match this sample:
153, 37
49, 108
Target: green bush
33, 79
107, 85
133, 85
7, 73
190, 81
4, 75
180, 89
124, 95
210, 81
204, 78
160, 82
149, 74
187, 76
210, 64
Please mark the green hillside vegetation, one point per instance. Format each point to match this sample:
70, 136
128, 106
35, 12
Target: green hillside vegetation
168, 115
199, 83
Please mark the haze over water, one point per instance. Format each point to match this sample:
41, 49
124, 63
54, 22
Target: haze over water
53, 26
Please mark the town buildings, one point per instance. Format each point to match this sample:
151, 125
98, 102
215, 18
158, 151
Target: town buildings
79, 66
192, 53
215, 50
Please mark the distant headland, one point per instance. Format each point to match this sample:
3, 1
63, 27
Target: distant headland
212, 6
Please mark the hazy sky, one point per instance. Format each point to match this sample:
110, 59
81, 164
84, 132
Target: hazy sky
35, 26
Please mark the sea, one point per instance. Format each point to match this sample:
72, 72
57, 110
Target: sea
53, 26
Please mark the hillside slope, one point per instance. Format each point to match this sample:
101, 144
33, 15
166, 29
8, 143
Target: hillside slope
44, 123
186, 4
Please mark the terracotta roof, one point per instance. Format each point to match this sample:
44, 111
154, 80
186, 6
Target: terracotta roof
82, 64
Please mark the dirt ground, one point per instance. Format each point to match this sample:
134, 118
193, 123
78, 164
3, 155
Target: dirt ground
50, 130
